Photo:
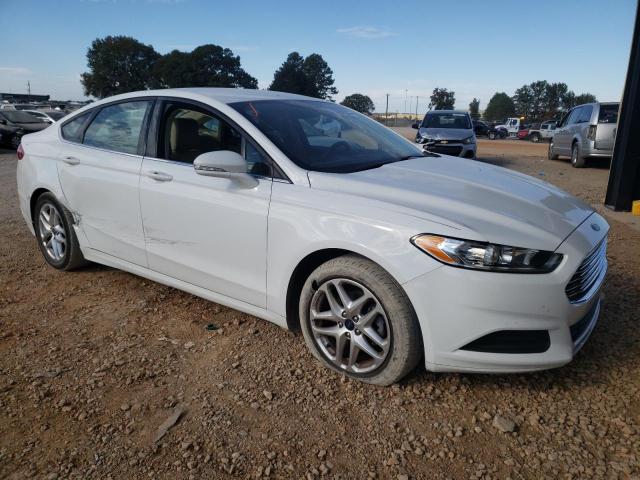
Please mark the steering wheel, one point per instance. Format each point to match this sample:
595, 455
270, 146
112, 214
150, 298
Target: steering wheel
339, 147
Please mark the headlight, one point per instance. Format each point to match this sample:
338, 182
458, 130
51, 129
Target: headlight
486, 256
469, 140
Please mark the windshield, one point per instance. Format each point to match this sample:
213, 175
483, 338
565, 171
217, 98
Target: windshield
56, 115
446, 120
17, 116
326, 137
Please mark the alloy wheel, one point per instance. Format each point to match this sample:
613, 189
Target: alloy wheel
349, 325
52, 232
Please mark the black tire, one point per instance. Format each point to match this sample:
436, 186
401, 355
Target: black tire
15, 142
72, 257
535, 138
551, 155
577, 160
492, 135
405, 340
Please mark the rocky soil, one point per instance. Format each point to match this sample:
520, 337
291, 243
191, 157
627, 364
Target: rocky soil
104, 375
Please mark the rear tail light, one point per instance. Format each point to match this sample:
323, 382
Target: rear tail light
20, 152
591, 135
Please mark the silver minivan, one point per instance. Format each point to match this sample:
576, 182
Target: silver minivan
586, 131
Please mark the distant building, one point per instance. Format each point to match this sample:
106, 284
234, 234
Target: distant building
22, 98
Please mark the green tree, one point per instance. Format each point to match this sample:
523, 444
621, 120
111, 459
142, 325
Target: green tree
474, 109
585, 98
442, 99
118, 65
553, 99
499, 107
359, 102
309, 76
530, 100
205, 66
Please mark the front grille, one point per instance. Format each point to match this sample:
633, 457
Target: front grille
589, 275
445, 149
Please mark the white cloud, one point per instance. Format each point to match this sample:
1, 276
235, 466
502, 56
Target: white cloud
14, 71
366, 32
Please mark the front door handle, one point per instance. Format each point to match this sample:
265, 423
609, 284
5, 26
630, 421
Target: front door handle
159, 176
71, 160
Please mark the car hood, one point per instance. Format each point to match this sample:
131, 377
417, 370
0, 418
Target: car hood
490, 203
446, 133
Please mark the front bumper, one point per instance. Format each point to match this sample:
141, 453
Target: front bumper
452, 149
457, 307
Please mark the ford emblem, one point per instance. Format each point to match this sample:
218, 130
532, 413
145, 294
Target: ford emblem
595, 227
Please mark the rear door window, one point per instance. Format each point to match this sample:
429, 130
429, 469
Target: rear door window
118, 127
608, 113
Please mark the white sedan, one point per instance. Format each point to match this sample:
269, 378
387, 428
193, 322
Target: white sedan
314, 217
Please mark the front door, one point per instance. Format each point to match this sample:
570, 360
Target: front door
207, 231
99, 170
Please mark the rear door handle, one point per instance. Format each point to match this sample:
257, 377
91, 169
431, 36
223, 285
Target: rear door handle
71, 160
159, 176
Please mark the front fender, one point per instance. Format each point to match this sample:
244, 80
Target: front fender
298, 228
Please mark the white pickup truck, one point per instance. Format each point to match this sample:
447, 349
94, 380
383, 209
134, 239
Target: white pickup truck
545, 132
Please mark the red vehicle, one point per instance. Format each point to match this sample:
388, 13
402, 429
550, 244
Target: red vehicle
523, 134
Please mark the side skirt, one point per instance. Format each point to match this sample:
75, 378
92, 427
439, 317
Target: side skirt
105, 259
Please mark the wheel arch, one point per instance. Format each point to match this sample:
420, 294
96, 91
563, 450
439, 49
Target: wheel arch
34, 199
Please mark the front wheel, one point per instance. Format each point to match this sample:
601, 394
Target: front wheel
492, 135
357, 320
56, 238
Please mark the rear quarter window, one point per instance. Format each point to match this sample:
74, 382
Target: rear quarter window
608, 114
72, 130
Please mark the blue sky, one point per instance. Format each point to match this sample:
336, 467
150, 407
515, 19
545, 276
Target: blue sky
375, 47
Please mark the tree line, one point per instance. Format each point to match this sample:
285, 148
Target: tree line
121, 64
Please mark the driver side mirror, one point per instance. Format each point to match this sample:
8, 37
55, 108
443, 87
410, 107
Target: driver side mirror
415, 125
224, 164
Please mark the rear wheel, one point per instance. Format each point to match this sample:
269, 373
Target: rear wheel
577, 160
492, 135
357, 320
15, 142
535, 138
551, 154
56, 237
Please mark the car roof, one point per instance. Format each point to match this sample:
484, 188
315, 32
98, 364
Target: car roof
222, 95
448, 111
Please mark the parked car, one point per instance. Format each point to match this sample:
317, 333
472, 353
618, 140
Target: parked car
538, 131
586, 131
49, 116
15, 123
480, 128
310, 215
523, 134
497, 133
447, 131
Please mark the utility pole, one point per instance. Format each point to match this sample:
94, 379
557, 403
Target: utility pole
386, 112
405, 101
417, 108
29, 90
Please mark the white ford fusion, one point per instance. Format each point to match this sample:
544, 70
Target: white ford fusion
312, 216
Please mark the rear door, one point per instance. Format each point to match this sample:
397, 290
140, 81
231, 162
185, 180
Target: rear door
563, 134
99, 169
607, 126
207, 231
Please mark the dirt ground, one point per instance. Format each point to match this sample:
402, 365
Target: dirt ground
93, 362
